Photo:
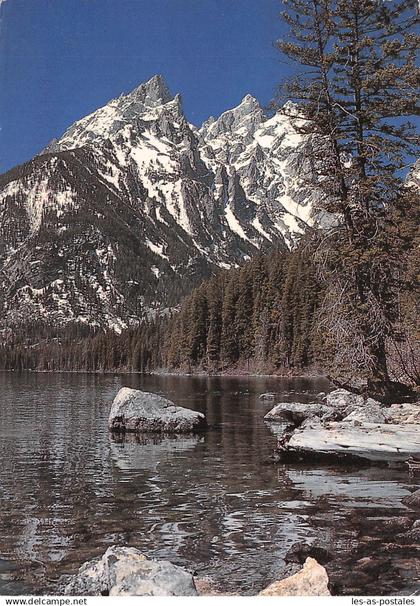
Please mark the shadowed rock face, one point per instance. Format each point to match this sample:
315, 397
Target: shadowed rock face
140, 411
126, 571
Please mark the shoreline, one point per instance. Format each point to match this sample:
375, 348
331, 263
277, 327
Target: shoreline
168, 373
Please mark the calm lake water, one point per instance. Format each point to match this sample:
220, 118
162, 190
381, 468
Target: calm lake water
212, 503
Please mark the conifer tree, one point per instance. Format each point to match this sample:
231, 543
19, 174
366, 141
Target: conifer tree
354, 92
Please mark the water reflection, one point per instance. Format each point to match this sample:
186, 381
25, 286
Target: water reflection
354, 487
146, 451
211, 503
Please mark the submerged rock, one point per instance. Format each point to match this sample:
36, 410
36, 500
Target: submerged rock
371, 564
300, 551
126, 571
395, 525
311, 580
140, 411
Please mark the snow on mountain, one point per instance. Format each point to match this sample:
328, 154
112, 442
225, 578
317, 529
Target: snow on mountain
133, 206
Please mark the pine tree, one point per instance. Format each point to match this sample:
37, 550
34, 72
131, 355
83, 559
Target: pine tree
230, 338
214, 292
353, 99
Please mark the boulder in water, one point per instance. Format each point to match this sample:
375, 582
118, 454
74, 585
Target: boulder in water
267, 396
141, 411
299, 552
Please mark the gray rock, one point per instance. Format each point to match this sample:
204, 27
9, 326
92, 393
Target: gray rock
344, 400
412, 500
296, 412
267, 396
395, 525
370, 412
412, 537
140, 411
345, 403
403, 413
126, 571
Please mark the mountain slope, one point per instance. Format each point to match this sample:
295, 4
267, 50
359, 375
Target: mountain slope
133, 206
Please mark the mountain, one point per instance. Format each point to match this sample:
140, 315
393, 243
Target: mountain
133, 206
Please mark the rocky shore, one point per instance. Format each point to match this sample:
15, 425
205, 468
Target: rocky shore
347, 428
125, 571
389, 565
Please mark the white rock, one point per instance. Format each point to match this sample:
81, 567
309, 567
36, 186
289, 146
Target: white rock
403, 413
126, 571
311, 580
370, 412
375, 442
343, 400
140, 411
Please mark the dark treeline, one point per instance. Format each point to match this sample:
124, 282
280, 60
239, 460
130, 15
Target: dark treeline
264, 317
78, 349
261, 316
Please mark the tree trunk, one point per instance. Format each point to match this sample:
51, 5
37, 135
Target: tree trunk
380, 386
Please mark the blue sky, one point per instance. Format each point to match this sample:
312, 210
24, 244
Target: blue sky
61, 59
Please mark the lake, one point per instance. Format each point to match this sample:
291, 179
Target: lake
213, 503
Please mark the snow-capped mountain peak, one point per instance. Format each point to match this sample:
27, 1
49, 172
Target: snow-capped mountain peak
145, 102
133, 206
246, 116
151, 93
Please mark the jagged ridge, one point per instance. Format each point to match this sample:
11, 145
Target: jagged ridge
133, 206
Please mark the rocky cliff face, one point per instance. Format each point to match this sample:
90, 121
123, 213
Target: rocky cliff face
133, 206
